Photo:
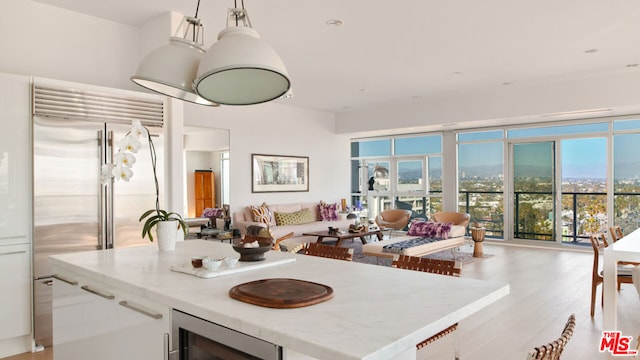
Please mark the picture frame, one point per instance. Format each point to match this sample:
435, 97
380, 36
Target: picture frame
279, 173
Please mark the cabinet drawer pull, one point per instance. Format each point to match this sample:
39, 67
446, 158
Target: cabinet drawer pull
140, 310
97, 292
65, 279
13, 252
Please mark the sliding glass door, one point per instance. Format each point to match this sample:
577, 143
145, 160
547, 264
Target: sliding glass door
533, 190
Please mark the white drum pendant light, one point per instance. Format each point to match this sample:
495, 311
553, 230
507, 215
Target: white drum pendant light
171, 69
240, 68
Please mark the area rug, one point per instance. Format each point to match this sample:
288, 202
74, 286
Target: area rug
458, 255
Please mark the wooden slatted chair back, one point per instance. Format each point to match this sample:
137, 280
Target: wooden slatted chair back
329, 251
616, 233
553, 350
434, 266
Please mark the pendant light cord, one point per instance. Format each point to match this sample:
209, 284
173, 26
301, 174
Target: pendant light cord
235, 5
194, 31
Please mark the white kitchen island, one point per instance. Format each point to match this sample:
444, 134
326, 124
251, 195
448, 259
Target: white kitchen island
376, 312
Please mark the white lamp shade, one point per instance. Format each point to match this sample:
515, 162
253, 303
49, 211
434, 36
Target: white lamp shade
170, 70
241, 69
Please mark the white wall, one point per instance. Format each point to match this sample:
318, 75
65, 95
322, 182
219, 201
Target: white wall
46, 41
280, 130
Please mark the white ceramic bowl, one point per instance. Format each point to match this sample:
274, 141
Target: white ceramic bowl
211, 264
230, 261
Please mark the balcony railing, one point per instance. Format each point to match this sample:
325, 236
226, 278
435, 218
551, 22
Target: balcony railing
580, 216
578, 222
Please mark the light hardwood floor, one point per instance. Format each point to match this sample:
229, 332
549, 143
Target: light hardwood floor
47, 354
546, 287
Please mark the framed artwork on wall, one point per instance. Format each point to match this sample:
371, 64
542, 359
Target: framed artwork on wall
279, 173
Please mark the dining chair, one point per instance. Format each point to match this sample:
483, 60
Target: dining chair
599, 242
329, 251
434, 266
553, 350
616, 233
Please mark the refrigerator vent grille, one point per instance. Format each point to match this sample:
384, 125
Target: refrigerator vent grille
95, 106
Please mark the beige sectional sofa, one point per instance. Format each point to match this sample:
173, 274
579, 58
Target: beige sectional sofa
245, 218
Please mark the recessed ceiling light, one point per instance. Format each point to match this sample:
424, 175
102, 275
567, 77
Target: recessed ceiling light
632, 65
591, 51
334, 22
363, 90
458, 73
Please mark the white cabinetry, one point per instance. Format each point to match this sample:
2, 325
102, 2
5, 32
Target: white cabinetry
15, 297
93, 320
15, 159
15, 214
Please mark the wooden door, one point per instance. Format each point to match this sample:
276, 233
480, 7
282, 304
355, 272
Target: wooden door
204, 191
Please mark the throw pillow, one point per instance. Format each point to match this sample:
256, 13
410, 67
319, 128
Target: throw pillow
428, 229
263, 214
328, 212
299, 217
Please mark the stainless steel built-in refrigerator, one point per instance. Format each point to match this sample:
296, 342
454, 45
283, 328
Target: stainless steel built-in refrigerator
73, 211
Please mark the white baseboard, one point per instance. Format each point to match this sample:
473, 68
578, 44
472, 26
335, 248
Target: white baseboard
14, 346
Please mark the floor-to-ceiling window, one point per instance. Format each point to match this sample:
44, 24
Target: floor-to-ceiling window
481, 179
555, 184
584, 188
397, 173
626, 174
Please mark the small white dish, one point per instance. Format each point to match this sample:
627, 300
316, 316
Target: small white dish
211, 264
230, 261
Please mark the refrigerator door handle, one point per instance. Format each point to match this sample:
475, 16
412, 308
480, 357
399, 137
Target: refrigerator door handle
111, 230
102, 235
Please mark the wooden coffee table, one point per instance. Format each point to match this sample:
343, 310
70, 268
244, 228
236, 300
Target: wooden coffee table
344, 236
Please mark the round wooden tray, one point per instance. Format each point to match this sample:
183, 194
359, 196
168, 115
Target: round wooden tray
281, 293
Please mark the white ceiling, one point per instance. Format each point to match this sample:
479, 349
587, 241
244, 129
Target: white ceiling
390, 51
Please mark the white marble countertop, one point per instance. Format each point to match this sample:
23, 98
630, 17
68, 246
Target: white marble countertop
377, 312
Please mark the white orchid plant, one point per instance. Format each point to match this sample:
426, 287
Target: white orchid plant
120, 169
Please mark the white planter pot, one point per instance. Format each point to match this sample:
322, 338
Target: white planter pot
167, 235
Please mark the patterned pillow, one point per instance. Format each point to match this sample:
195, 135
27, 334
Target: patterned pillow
434, 230
303, 216
263, 214
328, 212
